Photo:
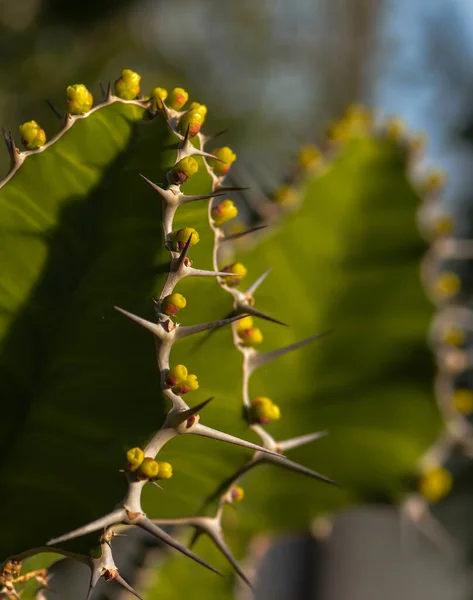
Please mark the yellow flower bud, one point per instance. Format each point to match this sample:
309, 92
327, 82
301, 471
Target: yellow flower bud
192, 120
395, 129
135, 457
435, 484
180, 237
263, 410
199, 107
173, 303
244, 323
226, 155
127, 86
463, 401
237, 493
250, 337
448, 284
165, 470
285, 195
435, 180
454, 336
149, 469
239, 271
157, 97
443, 224
32, 135
177, 98
223, 212
184, 169
190, 384
176, 375
79, 99
310, 157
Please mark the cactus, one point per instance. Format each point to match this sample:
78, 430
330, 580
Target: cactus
81, 233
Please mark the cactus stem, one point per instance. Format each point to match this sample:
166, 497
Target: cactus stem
258, 359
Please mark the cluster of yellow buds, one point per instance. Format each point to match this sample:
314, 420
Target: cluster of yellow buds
239, 272
180, 238
223, 212
173, 303
263, 410
127, 87
146, 467
181, 381
435, 181
226, 158
193, 119
32, 135
184, 169
453, 336
248, 334
356, 122
79, 99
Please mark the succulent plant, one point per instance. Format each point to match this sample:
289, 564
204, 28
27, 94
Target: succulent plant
80, 233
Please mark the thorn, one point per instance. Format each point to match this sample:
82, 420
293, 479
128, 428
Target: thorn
165, 110
162, 192
186, 330
231, 188
301, 440
114, 517
192, 150
56, 111
257, 313
225, 550
119, 579
185, 414
187, 199
11, 146
195, 536
208, 432
260, 359
153, 327
186, 137
103, 90
229, 481
235, 236
191, 272
156, 485
150, 527
109, 91
254, 286
293, 466
183, 255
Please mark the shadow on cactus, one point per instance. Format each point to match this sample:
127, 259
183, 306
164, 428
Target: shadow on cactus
90, 394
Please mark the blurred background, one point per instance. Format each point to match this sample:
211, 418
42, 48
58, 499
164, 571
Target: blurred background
275, 73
